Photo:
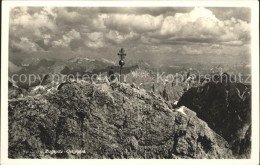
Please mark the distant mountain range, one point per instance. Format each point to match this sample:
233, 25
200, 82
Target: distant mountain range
85, 65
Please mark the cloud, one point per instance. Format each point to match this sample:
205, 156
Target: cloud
149, 40
86, 18
25, 45
31, 28
66, 39
146, 31
33, 25
67, 17
233, 43
130, 22
76, 43
95, 40
44, 43
187, 50
225, 13
201, 25
173, 24
201, 12
153, 11
118, 38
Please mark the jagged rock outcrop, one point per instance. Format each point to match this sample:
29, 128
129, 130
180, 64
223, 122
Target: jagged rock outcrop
108, 121
226, 107
14, 91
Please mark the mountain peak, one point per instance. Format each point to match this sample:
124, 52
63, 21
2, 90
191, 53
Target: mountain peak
116, 120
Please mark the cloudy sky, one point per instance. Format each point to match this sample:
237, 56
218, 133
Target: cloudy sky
164, 35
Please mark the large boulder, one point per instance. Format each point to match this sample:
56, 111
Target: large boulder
83, 120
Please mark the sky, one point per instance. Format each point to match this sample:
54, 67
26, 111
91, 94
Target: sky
167, 35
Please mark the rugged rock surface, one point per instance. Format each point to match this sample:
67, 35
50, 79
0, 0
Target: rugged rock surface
14, 91
108, 121
226, 107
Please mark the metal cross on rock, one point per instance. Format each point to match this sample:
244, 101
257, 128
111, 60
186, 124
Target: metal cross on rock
122, 55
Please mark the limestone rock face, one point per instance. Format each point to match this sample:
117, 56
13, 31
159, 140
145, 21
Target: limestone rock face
108, 121
227, 110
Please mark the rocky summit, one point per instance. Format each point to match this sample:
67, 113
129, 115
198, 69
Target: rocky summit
115, 121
